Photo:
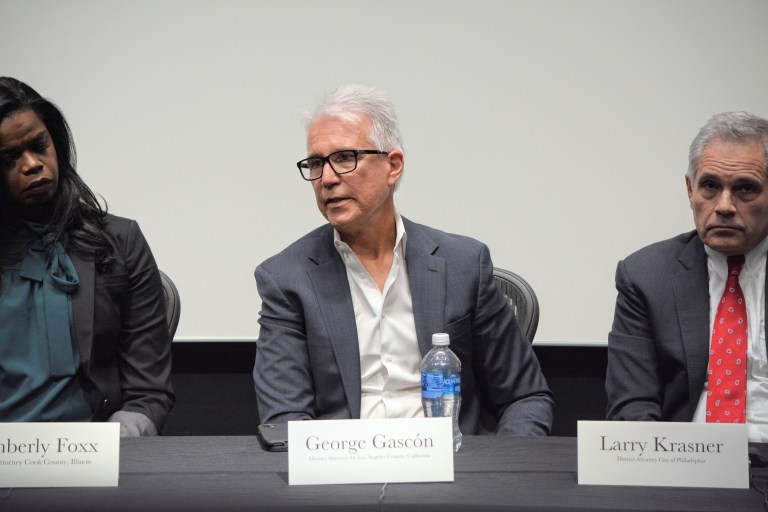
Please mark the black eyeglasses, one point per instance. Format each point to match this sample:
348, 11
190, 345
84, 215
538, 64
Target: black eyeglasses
341, 162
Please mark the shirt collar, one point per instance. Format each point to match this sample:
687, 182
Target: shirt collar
400, 237
753, 259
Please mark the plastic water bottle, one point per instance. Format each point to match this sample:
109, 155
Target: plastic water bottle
441, 383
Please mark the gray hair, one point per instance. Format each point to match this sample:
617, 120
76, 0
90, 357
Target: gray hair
739, 127
353, 103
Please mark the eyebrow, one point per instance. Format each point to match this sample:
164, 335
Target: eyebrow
318, 155
40, 136
716, 177
704, 175
16, 150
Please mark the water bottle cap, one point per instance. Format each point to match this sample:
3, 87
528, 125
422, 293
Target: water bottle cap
441, 338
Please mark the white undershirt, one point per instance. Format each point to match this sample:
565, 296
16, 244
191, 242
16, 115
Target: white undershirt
386, 332
752, 281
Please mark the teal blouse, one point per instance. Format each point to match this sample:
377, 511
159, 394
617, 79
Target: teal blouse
39, 361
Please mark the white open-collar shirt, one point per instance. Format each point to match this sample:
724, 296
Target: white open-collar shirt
386, 333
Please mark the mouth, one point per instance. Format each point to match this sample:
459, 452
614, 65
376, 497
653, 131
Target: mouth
39, 186
333, 201
725, 228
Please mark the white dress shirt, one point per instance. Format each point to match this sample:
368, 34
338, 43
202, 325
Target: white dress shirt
386, 333
752, 281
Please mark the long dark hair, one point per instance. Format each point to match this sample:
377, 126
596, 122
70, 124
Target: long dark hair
76, 211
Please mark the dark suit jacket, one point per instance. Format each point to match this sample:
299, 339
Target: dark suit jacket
658, 349
308, 363
121, 329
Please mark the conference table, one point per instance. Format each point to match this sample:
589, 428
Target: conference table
491, 474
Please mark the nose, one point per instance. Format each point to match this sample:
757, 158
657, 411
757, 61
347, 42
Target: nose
29, 163
328, 177
725, 206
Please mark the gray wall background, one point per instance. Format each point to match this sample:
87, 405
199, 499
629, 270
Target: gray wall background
556, 131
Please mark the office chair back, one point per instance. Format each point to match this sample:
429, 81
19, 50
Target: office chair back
173, 303
521, 298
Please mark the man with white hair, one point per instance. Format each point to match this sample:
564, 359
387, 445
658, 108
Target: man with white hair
349, 309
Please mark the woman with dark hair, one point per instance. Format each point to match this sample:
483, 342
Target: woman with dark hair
83, 332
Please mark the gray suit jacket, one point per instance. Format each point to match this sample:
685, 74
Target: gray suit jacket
658, 348
307, 358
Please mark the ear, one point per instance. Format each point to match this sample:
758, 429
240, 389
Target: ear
689, 186
396, 166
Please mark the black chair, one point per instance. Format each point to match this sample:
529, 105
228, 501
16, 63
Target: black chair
522, 298
173, 303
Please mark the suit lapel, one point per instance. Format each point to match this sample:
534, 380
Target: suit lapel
691, 289
83, 303
427, 278
765, 312
334, 300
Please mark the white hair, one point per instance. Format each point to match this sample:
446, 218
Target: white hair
353, 102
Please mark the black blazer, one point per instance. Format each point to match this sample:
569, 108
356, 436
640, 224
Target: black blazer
658, 348
120, 326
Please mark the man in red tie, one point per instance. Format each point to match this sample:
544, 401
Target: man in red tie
688, 341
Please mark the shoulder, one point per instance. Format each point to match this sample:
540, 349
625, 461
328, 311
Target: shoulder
114, 225
299, 253
663, 251
657, 262
446, 244
124, 234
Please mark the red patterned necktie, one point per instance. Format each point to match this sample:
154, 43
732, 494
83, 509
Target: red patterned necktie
727, 374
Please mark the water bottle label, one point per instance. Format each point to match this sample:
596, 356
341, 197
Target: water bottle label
436, 385
431, 385
452, 384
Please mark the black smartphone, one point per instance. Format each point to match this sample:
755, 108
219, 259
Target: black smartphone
273, 437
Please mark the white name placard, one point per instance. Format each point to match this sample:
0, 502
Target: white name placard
370, 451
59, 454
663, 454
